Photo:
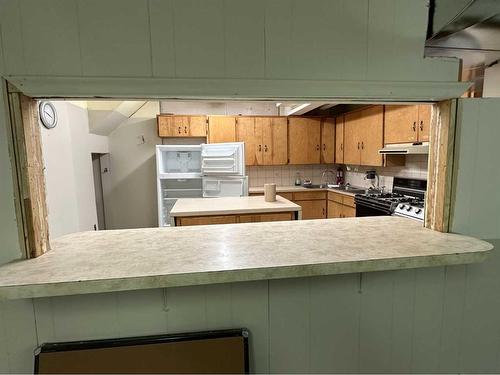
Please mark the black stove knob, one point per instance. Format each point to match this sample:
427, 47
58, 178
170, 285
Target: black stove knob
418, 210
401, 206
408, 208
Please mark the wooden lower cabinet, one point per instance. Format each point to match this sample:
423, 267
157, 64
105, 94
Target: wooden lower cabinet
340, 205
334, 210
233, 219
315, 209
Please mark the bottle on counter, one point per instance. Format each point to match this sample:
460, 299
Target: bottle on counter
298, 181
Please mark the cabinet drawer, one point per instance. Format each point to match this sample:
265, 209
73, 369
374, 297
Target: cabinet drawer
336, 197
256, 218
308, 195
206, 220
348, 200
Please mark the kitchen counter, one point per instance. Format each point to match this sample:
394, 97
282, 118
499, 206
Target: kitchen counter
185, 207
293, 188
115, 260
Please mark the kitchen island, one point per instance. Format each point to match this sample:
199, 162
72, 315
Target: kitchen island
232, 210
132, 259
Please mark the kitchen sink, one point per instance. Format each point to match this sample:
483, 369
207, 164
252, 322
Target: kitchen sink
350, 189
315, 186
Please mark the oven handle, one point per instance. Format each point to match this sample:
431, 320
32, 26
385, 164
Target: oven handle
373, 206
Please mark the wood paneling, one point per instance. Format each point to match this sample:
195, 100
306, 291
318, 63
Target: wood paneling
304, 136
328, 141
221, 129
339, 140
438, 196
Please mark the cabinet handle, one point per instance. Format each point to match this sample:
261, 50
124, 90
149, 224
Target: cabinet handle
317, 147
362, 145
324, 212
260, 147
185, 129
341, 147
265, 148
324, 147
358, 145
421, 125
414, 126
179, 130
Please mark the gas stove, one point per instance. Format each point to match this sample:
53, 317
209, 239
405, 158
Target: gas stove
406, 199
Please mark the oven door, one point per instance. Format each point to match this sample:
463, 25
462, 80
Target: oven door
368, 209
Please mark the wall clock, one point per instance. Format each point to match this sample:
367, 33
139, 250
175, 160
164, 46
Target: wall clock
48, 114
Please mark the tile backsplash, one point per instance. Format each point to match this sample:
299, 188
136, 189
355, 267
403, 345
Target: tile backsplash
284, 175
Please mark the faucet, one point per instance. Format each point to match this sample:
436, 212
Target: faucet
325, 172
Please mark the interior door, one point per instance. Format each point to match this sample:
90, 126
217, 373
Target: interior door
372, 128
400, 123
352, 143
339, 140
246, 132
328, 141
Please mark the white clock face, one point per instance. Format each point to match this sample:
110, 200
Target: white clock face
48, 115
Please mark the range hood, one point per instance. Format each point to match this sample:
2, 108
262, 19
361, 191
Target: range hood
405, 149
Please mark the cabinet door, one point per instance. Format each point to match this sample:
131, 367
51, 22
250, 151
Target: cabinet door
246, 132
274, 140
304, 136
400, 124
424, 122
221, 129
328, 141
334, 210
348, 211
313, 209
173, 126
372, 138
339, 140
352, 143
197, 126
255, 218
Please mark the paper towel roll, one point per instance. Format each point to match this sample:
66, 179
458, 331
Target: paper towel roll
270, 192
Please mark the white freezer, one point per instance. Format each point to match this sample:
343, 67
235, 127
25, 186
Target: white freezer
214, 187
178, 161
223, 159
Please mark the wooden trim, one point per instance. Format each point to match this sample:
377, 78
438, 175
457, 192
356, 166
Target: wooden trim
439, 183
27, 163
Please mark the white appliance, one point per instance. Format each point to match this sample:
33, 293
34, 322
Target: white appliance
191, 171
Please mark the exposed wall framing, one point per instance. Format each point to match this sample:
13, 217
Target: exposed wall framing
26, 154
439, 184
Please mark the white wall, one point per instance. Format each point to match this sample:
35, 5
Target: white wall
68, 170
491, 84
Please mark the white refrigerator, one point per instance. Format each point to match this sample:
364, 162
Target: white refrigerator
206, 170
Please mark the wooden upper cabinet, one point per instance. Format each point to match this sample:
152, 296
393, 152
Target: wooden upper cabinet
182, 126
371, 130
407, 123
424, 122
245, 132
400, 123
197, 126
274, 139
352, 143
221, 129
304, 136
328, 141
265, 139
339, 140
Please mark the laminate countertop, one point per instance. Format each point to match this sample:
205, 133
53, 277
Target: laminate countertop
293, 188
231, 206
116, 260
